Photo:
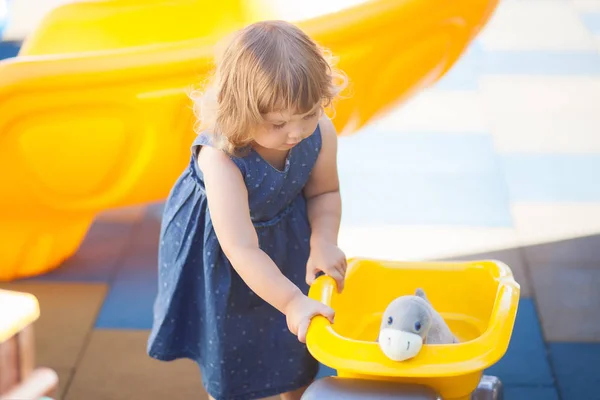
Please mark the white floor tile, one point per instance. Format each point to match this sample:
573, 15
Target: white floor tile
540, 132
417, 242
543, 222
542, 114
586, 5
3, 15
536, 25
551, 95
25, 15
439, 111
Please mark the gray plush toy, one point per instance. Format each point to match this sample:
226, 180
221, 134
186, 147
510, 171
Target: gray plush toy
409, 322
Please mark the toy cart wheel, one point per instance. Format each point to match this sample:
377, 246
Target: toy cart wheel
334, 388
490, 388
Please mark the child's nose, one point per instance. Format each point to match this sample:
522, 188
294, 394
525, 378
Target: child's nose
295, 136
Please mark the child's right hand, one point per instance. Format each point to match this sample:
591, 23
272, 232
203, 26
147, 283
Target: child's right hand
299, 312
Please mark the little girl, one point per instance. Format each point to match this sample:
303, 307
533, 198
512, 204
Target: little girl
253, 220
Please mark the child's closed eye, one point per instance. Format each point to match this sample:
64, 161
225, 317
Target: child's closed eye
306, 117
309, 116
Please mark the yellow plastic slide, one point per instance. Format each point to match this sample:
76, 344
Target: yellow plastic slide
94, 112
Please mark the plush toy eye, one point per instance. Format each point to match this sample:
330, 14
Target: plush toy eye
390, 320
417, 326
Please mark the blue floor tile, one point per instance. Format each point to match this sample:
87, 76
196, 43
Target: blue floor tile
592, 21
425, 199
9, 49
552, 177
530, 393
476, 62
541, 63
129, 302
375, 148
423, 179
577, 370
325, 371
526, 361
464, 73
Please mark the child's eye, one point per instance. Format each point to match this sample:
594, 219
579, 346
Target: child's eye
309, 116
280, 126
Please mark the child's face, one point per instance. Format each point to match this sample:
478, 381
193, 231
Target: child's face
282, 130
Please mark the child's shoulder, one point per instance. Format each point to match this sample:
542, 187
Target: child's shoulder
322, 135
209, 153
326, 126
328, 135
211, 159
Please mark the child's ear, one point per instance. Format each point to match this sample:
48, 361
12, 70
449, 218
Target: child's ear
421, 293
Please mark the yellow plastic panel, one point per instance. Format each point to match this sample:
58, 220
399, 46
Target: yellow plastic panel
87, 26
94, 112
478, 300
90, 172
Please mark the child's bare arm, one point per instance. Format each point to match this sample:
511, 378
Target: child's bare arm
323, 191
324, 207
228, 206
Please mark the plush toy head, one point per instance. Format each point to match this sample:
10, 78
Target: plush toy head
408, 322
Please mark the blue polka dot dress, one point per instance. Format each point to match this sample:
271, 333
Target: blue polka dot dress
204, 310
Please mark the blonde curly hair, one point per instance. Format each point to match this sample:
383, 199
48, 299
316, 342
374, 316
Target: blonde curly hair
268, 66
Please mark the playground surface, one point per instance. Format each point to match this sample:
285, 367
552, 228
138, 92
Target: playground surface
499, 160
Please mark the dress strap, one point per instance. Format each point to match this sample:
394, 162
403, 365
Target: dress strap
208, 139
202, 139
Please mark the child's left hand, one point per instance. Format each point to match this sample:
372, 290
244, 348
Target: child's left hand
326, 257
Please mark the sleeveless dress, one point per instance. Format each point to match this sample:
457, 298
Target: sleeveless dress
204, 311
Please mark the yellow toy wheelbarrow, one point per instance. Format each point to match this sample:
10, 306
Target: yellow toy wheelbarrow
477, 299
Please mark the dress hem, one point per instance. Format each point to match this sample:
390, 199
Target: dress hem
260, 394
257, 394
173, 357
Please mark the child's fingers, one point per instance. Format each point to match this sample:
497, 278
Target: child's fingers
291, 327
302, 329
311, 272
337, 272
340, 282
344, 264
323, 310
341, 266
338, 276
311, 275
327, 312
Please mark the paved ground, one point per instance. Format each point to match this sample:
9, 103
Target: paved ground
501, 159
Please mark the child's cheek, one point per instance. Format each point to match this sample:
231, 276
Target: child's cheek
268, 140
